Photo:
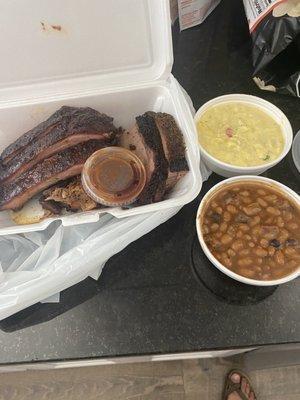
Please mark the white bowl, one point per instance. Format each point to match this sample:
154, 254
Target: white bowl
288, 192
228, 170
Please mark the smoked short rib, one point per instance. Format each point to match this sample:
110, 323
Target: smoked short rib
60, 166
67, 127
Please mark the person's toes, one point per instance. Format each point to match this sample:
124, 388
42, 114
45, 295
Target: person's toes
235, 378
252, 396
243, 385
247, 390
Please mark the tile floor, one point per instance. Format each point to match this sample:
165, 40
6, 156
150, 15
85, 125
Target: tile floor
175, 380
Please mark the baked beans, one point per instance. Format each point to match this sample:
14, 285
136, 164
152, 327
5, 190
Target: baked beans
253, 229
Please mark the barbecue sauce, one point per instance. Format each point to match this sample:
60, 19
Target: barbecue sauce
114, 176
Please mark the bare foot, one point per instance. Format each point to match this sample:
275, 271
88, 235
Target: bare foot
245, 388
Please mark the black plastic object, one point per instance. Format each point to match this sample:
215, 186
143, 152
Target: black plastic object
222, 286
276, 53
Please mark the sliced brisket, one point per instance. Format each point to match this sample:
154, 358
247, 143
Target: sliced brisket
60, 166
157, 140
144, 140
174, 147
65, 128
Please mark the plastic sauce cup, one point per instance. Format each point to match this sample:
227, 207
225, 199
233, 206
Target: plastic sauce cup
113, 176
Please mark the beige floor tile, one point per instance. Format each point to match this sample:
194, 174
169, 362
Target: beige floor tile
105, 388
279, 397
205, 377
171, 396
196, 396
195, 378
133, 381
277, 381
179, 380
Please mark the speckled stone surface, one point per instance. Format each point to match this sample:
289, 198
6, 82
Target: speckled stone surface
148, 299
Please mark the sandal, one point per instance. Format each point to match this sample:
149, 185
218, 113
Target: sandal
231, 387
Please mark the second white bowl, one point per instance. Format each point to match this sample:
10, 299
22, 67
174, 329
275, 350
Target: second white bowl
286, 190
228, 170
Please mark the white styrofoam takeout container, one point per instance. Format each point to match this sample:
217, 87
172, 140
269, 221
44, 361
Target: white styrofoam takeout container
228, 170
114, 56
286, 190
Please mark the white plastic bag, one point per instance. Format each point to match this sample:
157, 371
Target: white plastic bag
36, 266
50, 261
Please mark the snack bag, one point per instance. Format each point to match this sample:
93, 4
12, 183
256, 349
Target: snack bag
275, 30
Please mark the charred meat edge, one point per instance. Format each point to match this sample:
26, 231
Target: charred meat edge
31, 155
155, 188
174, 147
66, 121
58, 167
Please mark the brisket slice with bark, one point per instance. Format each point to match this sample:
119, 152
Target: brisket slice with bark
60, 166
174, 147
65, 128
157, 140
144, 140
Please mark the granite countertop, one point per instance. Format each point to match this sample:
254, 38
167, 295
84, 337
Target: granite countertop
148, 299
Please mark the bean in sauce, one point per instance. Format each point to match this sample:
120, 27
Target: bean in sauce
253, 229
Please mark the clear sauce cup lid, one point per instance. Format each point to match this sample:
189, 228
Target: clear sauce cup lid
113, 176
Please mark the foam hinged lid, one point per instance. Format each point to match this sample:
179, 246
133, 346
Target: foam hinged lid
113, 56
52, 47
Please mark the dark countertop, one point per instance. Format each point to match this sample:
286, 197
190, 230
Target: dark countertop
148, 300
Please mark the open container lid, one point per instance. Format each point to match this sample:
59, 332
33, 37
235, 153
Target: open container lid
296, 151
55, 47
